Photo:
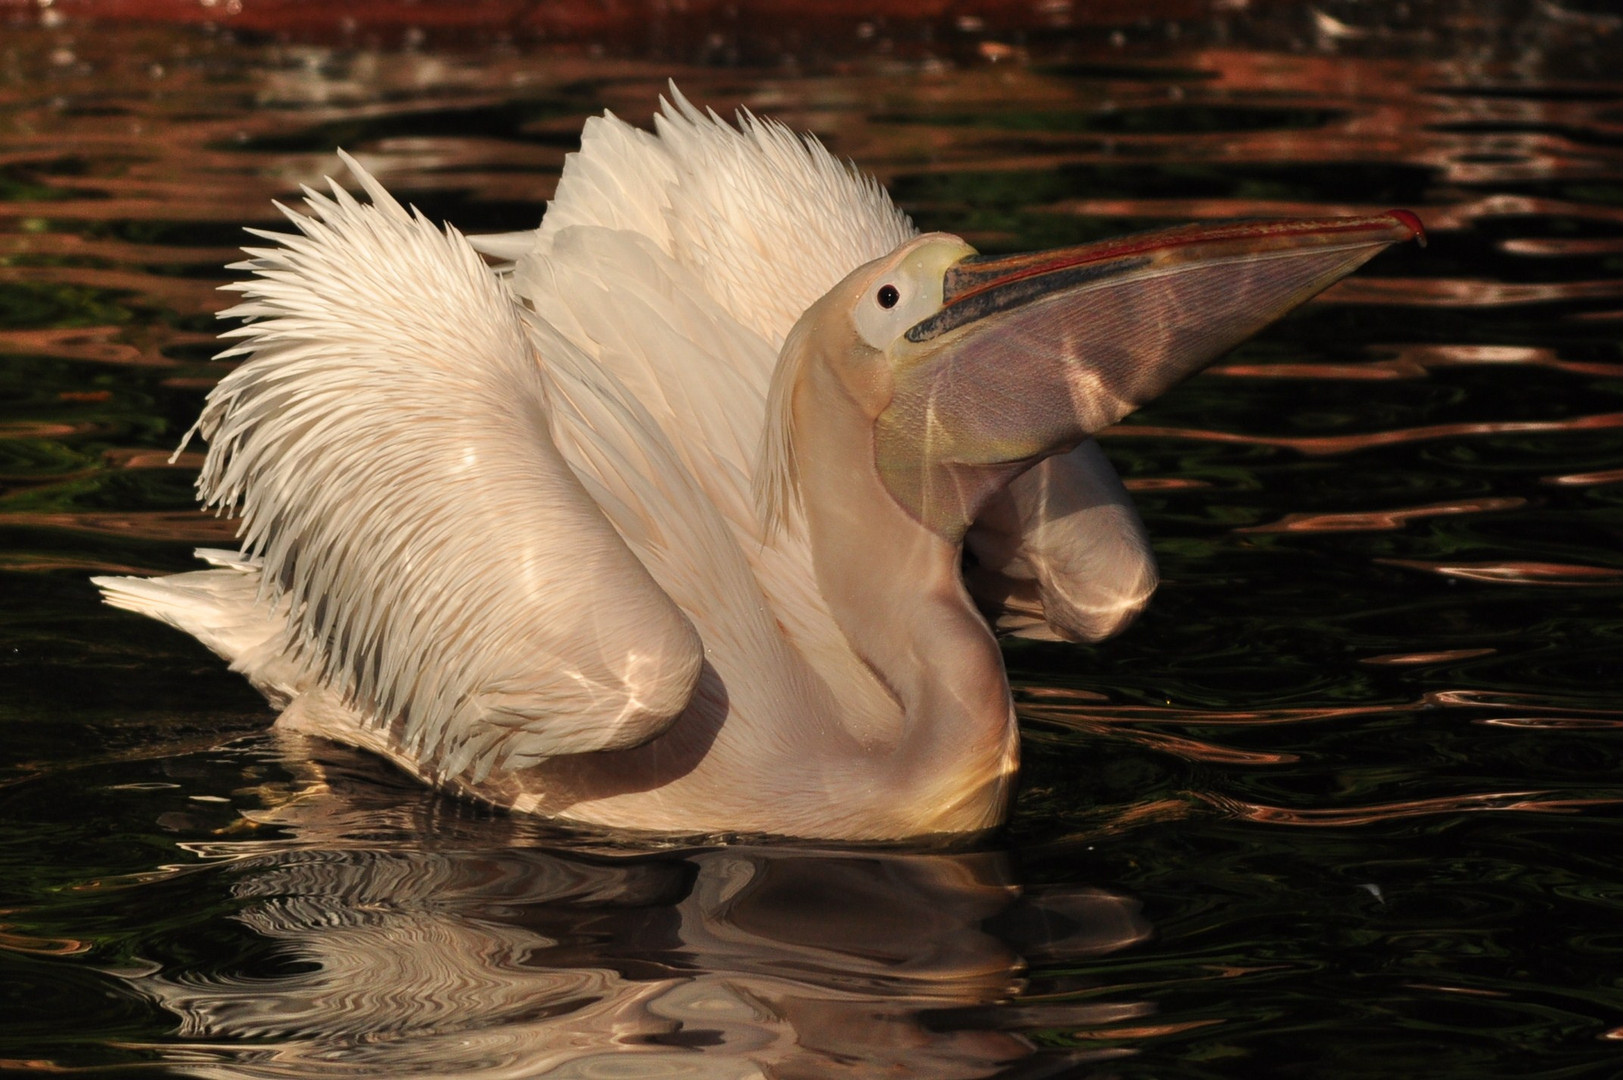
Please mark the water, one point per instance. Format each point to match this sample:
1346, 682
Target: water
1344, 802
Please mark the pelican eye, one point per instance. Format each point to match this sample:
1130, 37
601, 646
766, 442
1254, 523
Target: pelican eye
888, 296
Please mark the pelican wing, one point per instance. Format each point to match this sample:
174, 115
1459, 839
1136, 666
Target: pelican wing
764, 221
648, 333
387, 444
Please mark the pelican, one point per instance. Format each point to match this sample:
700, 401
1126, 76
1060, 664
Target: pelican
697, 509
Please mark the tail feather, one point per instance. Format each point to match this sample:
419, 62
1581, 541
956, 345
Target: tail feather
219, 607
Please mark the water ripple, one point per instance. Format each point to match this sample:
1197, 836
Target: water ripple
1324, 445
1515, 572
185, 525
1380, 520
1342, 816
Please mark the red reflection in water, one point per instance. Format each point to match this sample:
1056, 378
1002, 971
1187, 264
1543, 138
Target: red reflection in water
1125, 722
1060, 693
610, 19
1378, 370
1468, 214
43, 429
1380, 520
1055, 710
1552, 723
27, 943
1563, 247
1515, 573
1321, 445
135, 458
1534, 801
1134, 815
1427, 357
1417, 361
1499, 699
1183, 746
1447, 217
1427, 657
1465, 292
1143, 1031
1088, 712
1163, 483
193, 525
100, 344
24, 563
1470, 991
1604, 476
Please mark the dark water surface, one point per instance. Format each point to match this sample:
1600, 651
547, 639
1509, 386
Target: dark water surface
1347, 801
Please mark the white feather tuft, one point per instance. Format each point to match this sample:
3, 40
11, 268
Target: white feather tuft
764, 221
745, 195
386, 444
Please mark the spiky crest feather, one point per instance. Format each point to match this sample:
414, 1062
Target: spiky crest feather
424, 574
723, 201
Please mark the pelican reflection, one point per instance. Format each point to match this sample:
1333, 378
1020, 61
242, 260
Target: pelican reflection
468, 954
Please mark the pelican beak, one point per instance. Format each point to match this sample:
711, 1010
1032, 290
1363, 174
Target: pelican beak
1031, 354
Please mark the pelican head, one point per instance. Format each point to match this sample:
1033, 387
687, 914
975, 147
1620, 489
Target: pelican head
972, 369
928, 381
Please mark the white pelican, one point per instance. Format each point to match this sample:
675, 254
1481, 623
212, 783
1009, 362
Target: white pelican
661, 524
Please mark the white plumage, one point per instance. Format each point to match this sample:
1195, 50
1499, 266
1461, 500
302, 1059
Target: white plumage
534, 533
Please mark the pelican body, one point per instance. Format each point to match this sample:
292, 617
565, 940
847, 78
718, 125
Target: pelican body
656, 517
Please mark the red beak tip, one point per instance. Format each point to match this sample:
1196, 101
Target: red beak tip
1411, 221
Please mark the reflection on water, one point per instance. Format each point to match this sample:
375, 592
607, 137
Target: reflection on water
1381, 520
1517, 573
1358, 762
473, 955
1347, 444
